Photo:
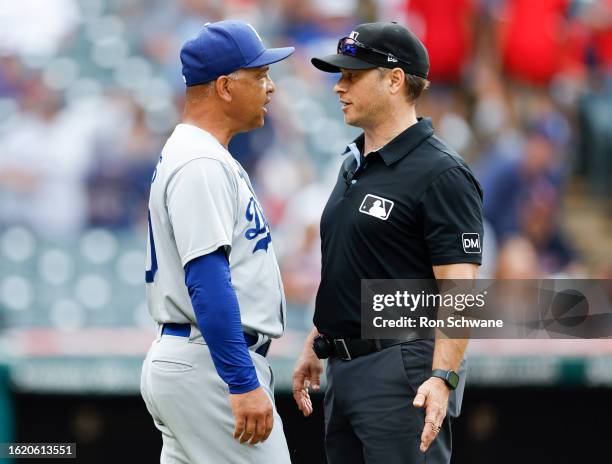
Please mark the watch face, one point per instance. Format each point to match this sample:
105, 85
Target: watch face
453, 379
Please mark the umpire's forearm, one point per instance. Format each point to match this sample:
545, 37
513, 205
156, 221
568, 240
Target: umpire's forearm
448, 352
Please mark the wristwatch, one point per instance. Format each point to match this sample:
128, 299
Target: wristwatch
451, 379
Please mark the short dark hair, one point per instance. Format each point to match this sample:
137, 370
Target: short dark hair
415, 85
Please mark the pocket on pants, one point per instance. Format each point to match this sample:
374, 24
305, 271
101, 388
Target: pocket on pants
416, 357
171, 365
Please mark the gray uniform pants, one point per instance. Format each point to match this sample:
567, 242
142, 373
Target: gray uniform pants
369, 416
190, 405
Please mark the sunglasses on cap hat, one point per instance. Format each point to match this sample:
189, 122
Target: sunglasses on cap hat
351, 47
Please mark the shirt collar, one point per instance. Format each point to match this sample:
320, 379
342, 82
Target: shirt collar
400, 146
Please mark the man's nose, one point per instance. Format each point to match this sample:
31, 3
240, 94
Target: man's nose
271, 85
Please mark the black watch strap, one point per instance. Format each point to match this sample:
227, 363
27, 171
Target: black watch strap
451, 378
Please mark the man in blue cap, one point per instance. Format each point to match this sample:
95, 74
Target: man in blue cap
212, 279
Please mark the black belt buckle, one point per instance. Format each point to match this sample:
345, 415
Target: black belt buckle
342, 351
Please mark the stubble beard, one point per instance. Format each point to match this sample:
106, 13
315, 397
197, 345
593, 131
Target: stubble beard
353, 120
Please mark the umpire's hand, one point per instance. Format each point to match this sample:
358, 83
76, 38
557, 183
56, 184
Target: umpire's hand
254, 416
307, 372
433, 396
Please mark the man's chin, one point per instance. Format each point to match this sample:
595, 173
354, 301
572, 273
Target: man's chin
256, 124
350, 121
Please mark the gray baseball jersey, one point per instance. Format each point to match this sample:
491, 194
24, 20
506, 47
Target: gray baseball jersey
201, 199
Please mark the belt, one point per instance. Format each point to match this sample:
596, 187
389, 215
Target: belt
184, 330
351, 348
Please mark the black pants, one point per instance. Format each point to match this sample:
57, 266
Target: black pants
369, 416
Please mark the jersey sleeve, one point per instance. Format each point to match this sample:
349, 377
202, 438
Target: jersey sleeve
217, 311
202, 204
452, 218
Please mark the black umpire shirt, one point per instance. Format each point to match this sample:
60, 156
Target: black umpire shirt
394, 214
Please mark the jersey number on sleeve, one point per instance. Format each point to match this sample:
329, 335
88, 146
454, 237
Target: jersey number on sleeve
150, 274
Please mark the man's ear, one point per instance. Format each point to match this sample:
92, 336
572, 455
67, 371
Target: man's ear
223, 86
397, 77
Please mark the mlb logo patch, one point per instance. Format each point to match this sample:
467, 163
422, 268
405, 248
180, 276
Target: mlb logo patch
471, 242
378, 207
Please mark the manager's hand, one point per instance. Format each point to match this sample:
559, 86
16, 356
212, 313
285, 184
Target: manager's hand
307, 372
254, 416
433, 396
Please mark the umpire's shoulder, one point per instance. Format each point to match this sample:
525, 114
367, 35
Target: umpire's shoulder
442, 157
438, 158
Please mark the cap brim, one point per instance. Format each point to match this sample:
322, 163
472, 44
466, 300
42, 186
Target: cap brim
333, 63
271, 55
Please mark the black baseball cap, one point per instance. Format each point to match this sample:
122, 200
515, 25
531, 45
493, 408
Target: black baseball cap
381, 44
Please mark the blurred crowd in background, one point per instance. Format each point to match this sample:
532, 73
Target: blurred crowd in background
522, 89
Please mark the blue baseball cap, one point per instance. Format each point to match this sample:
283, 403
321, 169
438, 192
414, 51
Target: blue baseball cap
224, 47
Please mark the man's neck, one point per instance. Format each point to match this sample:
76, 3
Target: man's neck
394, 124
215, 126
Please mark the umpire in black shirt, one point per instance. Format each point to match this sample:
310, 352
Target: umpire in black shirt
405, 206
